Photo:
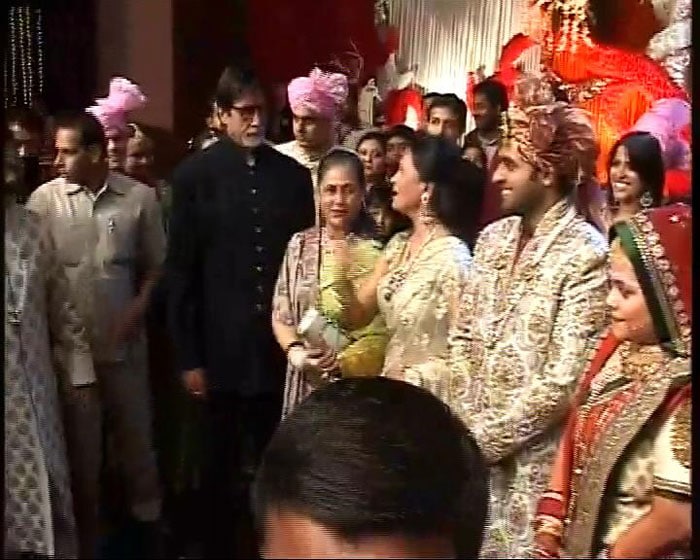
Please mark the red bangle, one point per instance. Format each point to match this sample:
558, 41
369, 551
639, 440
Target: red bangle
551, 507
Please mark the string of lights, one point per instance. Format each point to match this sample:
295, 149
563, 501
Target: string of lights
24, 59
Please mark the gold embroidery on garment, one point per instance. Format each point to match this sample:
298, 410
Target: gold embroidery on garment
680, 434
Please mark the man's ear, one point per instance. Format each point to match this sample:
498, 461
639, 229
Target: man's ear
221, 113
547, 177
95, 153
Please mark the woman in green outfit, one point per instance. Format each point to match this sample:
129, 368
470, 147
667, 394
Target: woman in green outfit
307, 303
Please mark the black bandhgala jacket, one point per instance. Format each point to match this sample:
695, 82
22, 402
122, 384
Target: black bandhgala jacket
229, 228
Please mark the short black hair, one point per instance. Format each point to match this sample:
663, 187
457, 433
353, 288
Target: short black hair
233, 83
476, 145
401, 131
361, 457
452, 103
381, 197
494, 92
27, 118
646, 159
364, 224
89, 129
458, 183
376, 135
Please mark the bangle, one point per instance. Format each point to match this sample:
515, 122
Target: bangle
540, 552
551, 505
292, 345
546, 521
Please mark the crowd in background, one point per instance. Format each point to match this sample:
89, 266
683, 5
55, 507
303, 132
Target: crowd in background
196, 364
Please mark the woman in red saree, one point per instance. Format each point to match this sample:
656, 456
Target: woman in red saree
620, 483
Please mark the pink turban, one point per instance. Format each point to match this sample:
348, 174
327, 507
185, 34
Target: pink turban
321, 92
113, 111
666, 121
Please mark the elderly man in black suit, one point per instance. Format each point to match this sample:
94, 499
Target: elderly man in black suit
235, 207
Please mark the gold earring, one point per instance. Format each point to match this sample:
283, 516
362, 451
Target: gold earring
425, 213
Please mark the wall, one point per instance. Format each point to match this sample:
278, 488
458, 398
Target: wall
174, 50
205, 40
70, 54
135, 40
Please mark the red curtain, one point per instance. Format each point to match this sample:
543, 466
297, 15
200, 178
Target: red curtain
287, 38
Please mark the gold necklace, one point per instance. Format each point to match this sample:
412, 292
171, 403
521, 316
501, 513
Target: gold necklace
407, 257
640, 361
404, 266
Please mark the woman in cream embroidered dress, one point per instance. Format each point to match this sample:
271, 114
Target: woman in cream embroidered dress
417, 282
620, 484
309, 279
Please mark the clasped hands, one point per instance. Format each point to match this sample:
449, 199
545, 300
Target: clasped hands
318, 363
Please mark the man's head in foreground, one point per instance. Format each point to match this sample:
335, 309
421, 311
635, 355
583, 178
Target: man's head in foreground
371, 468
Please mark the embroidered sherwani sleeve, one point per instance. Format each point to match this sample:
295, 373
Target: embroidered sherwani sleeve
458, 355
672, 454
506, 426
67, 329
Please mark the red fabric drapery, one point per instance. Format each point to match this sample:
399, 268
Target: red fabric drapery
635, 82
287, 38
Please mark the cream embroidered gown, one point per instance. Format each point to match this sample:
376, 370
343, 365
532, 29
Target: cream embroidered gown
418, 301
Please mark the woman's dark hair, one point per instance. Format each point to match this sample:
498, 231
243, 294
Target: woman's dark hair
458, 184
360, 457
233, 83
375, 135
646, 159
363, 224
